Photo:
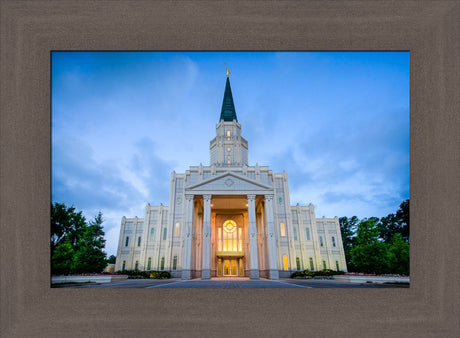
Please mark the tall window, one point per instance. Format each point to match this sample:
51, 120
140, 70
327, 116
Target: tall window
124, 266
324, 265
162, 265
174, 262
308, 233
136, 267
127, 241
312, 267
282, 229
152, 231
228, 133
297, 262
230, 237
149, 263
164, 234
285, 262
321, 240
337, 265
176, 229
295, 233
139, 241
333, 241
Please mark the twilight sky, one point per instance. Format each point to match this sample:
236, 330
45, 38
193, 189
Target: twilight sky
337, 122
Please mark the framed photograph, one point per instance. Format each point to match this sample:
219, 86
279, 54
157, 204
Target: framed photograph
31, 31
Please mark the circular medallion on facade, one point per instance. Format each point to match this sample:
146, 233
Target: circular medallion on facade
280, 200
228, 182
229, 226
179, 200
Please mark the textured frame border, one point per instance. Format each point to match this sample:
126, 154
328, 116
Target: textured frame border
31, 29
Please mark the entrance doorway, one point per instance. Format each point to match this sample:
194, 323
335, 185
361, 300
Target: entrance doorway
230, 267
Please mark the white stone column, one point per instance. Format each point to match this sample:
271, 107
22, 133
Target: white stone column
206, 265
254, 262
271, 239
186, 255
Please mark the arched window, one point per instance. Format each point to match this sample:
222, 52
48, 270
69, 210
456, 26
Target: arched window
175, 263
230, 237
285, 262
176, 229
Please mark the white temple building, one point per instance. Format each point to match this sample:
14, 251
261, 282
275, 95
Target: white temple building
230, 219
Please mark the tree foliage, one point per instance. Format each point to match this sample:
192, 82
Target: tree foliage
76, 245
376, 245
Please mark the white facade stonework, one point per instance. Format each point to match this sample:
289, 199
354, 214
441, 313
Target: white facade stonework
230, 219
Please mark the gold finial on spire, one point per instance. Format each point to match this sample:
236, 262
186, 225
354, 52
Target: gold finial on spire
228, 72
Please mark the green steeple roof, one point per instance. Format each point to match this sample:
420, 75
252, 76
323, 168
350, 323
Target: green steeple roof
228, 112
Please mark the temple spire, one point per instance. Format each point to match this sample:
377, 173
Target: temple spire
228, 112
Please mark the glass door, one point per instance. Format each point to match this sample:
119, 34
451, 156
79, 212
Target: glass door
230, 267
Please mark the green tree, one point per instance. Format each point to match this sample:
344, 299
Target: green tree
61, 261
348, 228
369, 254
111, 260
398, 255
89, 255
66, 224
396, 224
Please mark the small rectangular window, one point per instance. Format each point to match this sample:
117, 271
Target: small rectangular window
127, 241
164, 234
282, 229
295, 233
337, 265
124, 266
162, 266
308, 233
297, 262
333, 241
139, 241
312, 267
174, 262
324, 265
176, 229
152, 232
321, 240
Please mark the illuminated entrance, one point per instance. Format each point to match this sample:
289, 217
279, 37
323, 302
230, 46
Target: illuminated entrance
230, 249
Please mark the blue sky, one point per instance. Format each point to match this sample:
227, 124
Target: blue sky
337, 122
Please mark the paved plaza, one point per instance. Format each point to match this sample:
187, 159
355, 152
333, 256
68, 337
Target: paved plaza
226, 283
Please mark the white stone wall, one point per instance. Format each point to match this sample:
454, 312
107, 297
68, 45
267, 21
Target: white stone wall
303, 232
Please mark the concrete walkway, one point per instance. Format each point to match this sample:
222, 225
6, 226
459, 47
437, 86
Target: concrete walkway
225, 283
229, 283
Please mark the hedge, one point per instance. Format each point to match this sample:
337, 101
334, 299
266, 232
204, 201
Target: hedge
311, 274
149, 274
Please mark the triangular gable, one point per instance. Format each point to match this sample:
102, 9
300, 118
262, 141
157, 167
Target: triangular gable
229, 181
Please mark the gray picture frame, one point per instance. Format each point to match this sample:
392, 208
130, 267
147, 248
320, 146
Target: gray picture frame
30, 30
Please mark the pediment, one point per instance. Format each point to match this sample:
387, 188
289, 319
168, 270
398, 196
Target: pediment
229, 182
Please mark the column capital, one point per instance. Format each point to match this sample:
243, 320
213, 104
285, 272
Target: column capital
269, 197
251, 198
207, 198
189, 197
